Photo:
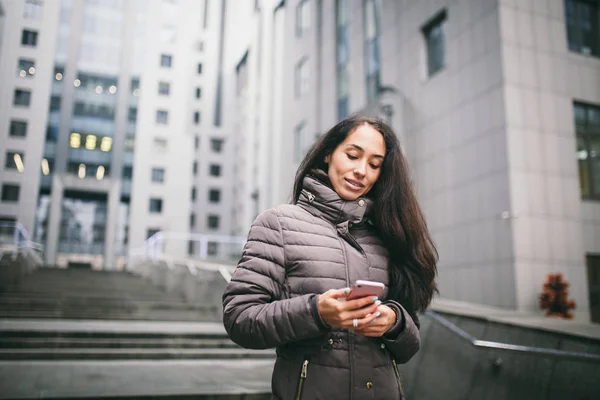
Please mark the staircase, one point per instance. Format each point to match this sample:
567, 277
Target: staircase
99, 315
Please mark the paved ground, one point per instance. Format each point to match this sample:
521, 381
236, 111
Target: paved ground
41, 379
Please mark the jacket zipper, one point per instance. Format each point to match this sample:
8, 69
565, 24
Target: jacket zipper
301, 380
397, 377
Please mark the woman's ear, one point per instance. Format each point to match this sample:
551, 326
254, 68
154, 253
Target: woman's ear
327, 159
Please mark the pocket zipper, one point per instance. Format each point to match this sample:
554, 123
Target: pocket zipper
397, 376
302, 379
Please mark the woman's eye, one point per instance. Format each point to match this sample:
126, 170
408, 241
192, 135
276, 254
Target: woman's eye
375, 166
350, 156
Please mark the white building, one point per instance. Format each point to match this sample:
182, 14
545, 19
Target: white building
84, 83
496, 104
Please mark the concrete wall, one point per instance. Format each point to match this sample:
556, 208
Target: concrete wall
447, 367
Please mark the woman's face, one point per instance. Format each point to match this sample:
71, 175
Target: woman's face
355, 164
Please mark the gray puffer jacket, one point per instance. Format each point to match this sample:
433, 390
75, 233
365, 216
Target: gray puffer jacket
293, 254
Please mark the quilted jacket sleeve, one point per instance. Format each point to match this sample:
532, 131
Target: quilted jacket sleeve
255, 313
405, 340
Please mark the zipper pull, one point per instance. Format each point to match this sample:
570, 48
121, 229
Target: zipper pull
304, 369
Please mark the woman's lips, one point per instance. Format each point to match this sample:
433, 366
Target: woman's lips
354, 185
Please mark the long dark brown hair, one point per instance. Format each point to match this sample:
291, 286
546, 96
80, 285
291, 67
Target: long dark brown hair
396, 213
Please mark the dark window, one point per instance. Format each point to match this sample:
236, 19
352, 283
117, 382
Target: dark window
191, 247
10, 192
213, 221
132, 114
587, 126
593, 273
100, 111
18, 128
583, 21
163, 88
197, 142
216, 145
193, 196
301, 77
214, 195
199, 68
151, 231
158, 175
195, 168
22, 97
162, 117
26, 68
192, 220
128, 172
29, 38
155, 205
166, 60
215, 170
51, 133
55, 103
213, 248
198, 92
14, 160
135, 86
197, 117
435, 40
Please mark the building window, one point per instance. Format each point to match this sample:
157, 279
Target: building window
593, 273
435, 42
196, 142
127, 172
198, 92
135, 87
158, 175
160, 144
163, 88
162, 117
583, 26
215, 170
166, 60
213, 248
197, 117
192, 220
301, 142
33, 10
25, 68
301, 78
22, 97
372, 59
213, 222
132, 114
156, 205
55, 102
193, 194
191, 249
214, 195
342, 58
195, 168
151, 232
29, 38
199, 68
302, 18
216, 145
587, 126
10, 192
14, 160
18, 128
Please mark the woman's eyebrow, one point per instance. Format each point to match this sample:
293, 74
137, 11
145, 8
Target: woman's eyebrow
357, 147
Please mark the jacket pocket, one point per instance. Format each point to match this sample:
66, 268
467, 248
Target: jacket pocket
398, 378
303, 374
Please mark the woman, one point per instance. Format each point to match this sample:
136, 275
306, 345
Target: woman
354, 216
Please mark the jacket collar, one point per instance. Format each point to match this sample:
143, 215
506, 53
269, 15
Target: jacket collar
319, 198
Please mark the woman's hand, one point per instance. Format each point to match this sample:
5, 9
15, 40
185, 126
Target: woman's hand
381, 324
340, 314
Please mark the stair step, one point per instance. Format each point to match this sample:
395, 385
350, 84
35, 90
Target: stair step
194, 316
115, 342
137, 354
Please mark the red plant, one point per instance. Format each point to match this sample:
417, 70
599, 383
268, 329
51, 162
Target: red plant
554, 298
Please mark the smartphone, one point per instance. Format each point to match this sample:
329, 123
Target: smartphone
365, 288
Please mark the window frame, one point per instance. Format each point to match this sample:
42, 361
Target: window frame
157, 175
587, 134
12, 128
574, 30
435, 49
217, 199
166, 60
9, 185
27, 34
22, 91
164, 88
158, 201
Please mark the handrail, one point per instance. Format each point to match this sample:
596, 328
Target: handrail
484, 344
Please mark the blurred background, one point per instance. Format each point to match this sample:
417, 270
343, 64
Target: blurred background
140, 139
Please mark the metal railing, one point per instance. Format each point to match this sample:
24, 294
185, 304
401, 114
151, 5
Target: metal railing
505, 347
203, 246
15, 240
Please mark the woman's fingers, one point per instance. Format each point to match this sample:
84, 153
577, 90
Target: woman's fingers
361, 322
361, 313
